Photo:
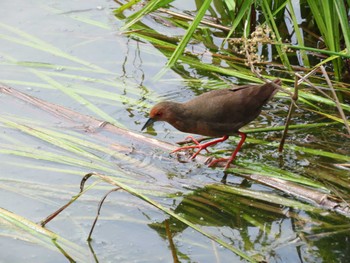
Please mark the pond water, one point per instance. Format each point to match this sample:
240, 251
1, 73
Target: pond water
73, 54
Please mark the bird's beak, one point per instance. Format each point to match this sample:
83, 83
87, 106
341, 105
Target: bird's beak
149, 122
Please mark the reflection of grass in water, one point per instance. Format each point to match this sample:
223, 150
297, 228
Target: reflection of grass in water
31, 41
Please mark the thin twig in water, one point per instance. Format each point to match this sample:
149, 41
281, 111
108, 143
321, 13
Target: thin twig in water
57, 212
313, 86
289, 116
302, 79
336, 100
171, 242
99, 210
82, 182
73, 199
93, 252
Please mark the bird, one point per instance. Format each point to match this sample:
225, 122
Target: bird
217, 113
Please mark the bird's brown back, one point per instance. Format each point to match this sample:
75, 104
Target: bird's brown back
223, 112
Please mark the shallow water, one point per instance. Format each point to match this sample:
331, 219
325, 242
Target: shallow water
72, 54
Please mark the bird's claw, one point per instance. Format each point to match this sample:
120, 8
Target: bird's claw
199, 147
190, 139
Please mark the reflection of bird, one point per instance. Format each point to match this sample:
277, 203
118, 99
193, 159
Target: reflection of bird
215, 113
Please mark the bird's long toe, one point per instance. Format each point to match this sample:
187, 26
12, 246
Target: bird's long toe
185, 148
200, 147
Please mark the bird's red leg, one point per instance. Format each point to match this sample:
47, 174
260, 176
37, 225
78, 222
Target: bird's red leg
199, 146
195, 141
230, 160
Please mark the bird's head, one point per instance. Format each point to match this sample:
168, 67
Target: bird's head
163, 111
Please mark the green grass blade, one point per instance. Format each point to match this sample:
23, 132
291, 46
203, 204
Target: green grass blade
263, 196
34, 234
272, 23
290, 127
151, 6
319, 99
184, 41
79, 18
126, 6
342, 53
344, 23
298, 34
77, 97
244, 9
